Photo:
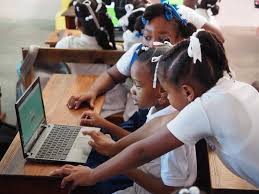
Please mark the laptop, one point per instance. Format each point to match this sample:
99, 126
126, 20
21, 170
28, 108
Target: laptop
45, 142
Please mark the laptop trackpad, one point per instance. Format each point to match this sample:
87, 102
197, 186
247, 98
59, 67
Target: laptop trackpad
81, 149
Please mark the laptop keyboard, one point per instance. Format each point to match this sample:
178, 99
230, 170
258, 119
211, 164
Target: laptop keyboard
58, 143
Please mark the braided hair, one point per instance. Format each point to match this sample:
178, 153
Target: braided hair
158, 10
209, 4
104, 33
120, 6
145, 56
177, 67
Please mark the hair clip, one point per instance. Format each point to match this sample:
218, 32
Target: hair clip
144, 48
155, 60
191, 190
87, 18
170, 11
144, 21
194, 48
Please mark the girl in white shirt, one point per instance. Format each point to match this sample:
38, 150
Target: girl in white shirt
97, 33
94, 23
212, 106
174, 169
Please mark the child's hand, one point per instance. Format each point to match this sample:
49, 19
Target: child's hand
93, 119
101, 143
74, 102
76, 175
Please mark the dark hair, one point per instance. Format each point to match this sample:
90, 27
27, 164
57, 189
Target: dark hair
177, 67
209, 4
104, 35
132, 20
145, 57
119, 6
157, 10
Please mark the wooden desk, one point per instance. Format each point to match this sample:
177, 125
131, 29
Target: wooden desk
58, 90
223, 180
70, 17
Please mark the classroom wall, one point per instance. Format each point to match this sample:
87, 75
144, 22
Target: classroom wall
238, 13
29, 9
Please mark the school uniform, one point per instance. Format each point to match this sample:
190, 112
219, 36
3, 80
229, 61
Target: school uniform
226, 117
89, 42
130, 38
176, 168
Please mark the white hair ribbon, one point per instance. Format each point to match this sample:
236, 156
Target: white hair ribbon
124, 20
194, 48
99, 6
191, 190
88, 3
74, 3
155, 60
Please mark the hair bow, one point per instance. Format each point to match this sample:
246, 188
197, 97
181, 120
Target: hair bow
144, 21
194, 48
170, 11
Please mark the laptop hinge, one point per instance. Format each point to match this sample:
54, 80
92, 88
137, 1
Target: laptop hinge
40, 130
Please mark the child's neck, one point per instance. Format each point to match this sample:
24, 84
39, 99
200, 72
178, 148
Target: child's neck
159, 107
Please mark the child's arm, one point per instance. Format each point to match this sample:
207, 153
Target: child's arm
149, 182
135, 155
106, 81
93, 119
104, 145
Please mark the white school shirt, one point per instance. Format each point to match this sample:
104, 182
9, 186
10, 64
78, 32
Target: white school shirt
226, 116
130, 38
124, 65
176, 168
82, 42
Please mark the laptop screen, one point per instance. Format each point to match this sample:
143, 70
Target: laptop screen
31, 112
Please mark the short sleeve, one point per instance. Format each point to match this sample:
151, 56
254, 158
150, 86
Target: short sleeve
191, 124
123, 65
191, 16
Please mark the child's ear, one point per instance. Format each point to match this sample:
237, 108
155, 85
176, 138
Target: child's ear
188, 92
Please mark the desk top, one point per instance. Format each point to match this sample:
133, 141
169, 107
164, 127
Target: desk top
56, 94
222, 178
70, 12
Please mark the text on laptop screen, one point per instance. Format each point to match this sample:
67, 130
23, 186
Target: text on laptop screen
31, 113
